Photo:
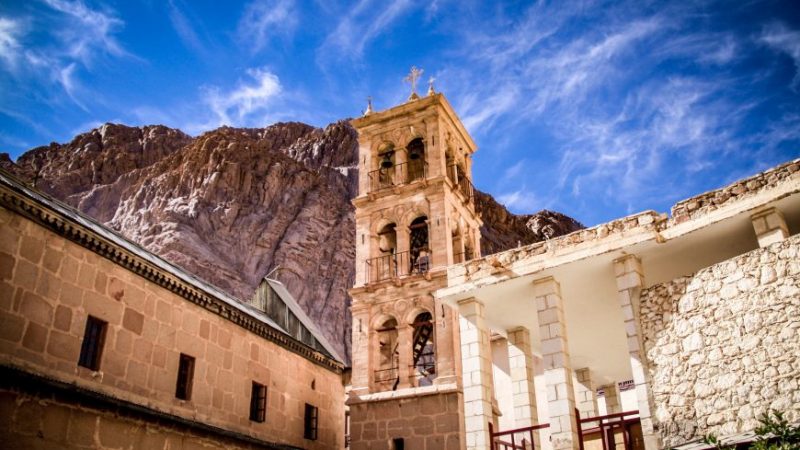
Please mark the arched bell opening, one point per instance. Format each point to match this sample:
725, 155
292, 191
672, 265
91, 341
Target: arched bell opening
387, 375
386, 262
416, 160
386, 165
423, 350
420, 254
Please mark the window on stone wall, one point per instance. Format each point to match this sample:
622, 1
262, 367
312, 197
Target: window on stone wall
258, 403
398, 444
183, 387
311, 422
93, 340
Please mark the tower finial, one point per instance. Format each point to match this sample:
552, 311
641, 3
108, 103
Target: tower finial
412, 78
369, 106
430, 86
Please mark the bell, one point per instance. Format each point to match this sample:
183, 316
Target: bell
386, 162
414, 155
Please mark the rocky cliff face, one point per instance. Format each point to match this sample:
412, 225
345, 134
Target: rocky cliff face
233, 204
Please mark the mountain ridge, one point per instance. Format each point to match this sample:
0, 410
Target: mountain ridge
232, 204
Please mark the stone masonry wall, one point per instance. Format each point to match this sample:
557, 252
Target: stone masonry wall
48, 287
723, 344
430, 422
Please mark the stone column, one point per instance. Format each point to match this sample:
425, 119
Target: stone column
630, 280
520, 361
446, 345
557, 365
405, 340
585, 395
612, 399
361, 351
770, 226
476, 374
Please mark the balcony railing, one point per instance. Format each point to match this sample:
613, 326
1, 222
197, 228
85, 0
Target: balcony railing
397, 265
462, 257
463, 184
386, 375
397, 175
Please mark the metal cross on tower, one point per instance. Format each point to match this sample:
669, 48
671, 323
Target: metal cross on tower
412, 78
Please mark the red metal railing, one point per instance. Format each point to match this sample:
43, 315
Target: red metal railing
517, 439
606, 427
397, 175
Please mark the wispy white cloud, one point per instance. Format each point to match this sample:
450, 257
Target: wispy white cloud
88, 30
787, 41
186, 29
66, 77
264, 20
521, 201
249, 99
366, 21
10, 31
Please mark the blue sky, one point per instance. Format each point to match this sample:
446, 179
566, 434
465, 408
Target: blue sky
595, 109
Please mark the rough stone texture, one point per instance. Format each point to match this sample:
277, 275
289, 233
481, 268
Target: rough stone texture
723, 344
503, 230
704, 203
232, 204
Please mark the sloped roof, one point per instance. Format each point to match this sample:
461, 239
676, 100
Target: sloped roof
309, 324
52, 211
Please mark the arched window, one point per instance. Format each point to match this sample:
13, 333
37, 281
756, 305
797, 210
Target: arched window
416, 160
383, 176
387, 375
423, 357
420, 251
386, 262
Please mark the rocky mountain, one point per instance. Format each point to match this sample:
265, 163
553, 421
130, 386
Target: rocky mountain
233, 204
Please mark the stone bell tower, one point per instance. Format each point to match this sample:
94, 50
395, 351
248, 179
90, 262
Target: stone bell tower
415, 215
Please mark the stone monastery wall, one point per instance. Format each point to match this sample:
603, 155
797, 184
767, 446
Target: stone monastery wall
50, 285
724, 344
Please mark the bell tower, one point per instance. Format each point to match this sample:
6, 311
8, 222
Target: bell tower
415, 215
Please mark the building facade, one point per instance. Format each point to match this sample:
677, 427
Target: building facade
415, 215
104, 345
700, 310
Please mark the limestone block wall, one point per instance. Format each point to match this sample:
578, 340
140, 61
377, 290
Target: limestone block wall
48, 287
724, 345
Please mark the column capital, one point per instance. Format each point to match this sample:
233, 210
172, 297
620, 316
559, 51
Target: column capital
627, 263
769, 226
546, 286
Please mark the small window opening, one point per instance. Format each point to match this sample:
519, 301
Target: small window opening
311, 422
94, 338
183, 387
314, 385
398, 444
258, 403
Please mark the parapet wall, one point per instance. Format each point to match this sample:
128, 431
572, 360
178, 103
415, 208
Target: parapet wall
723, 344
704, 203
